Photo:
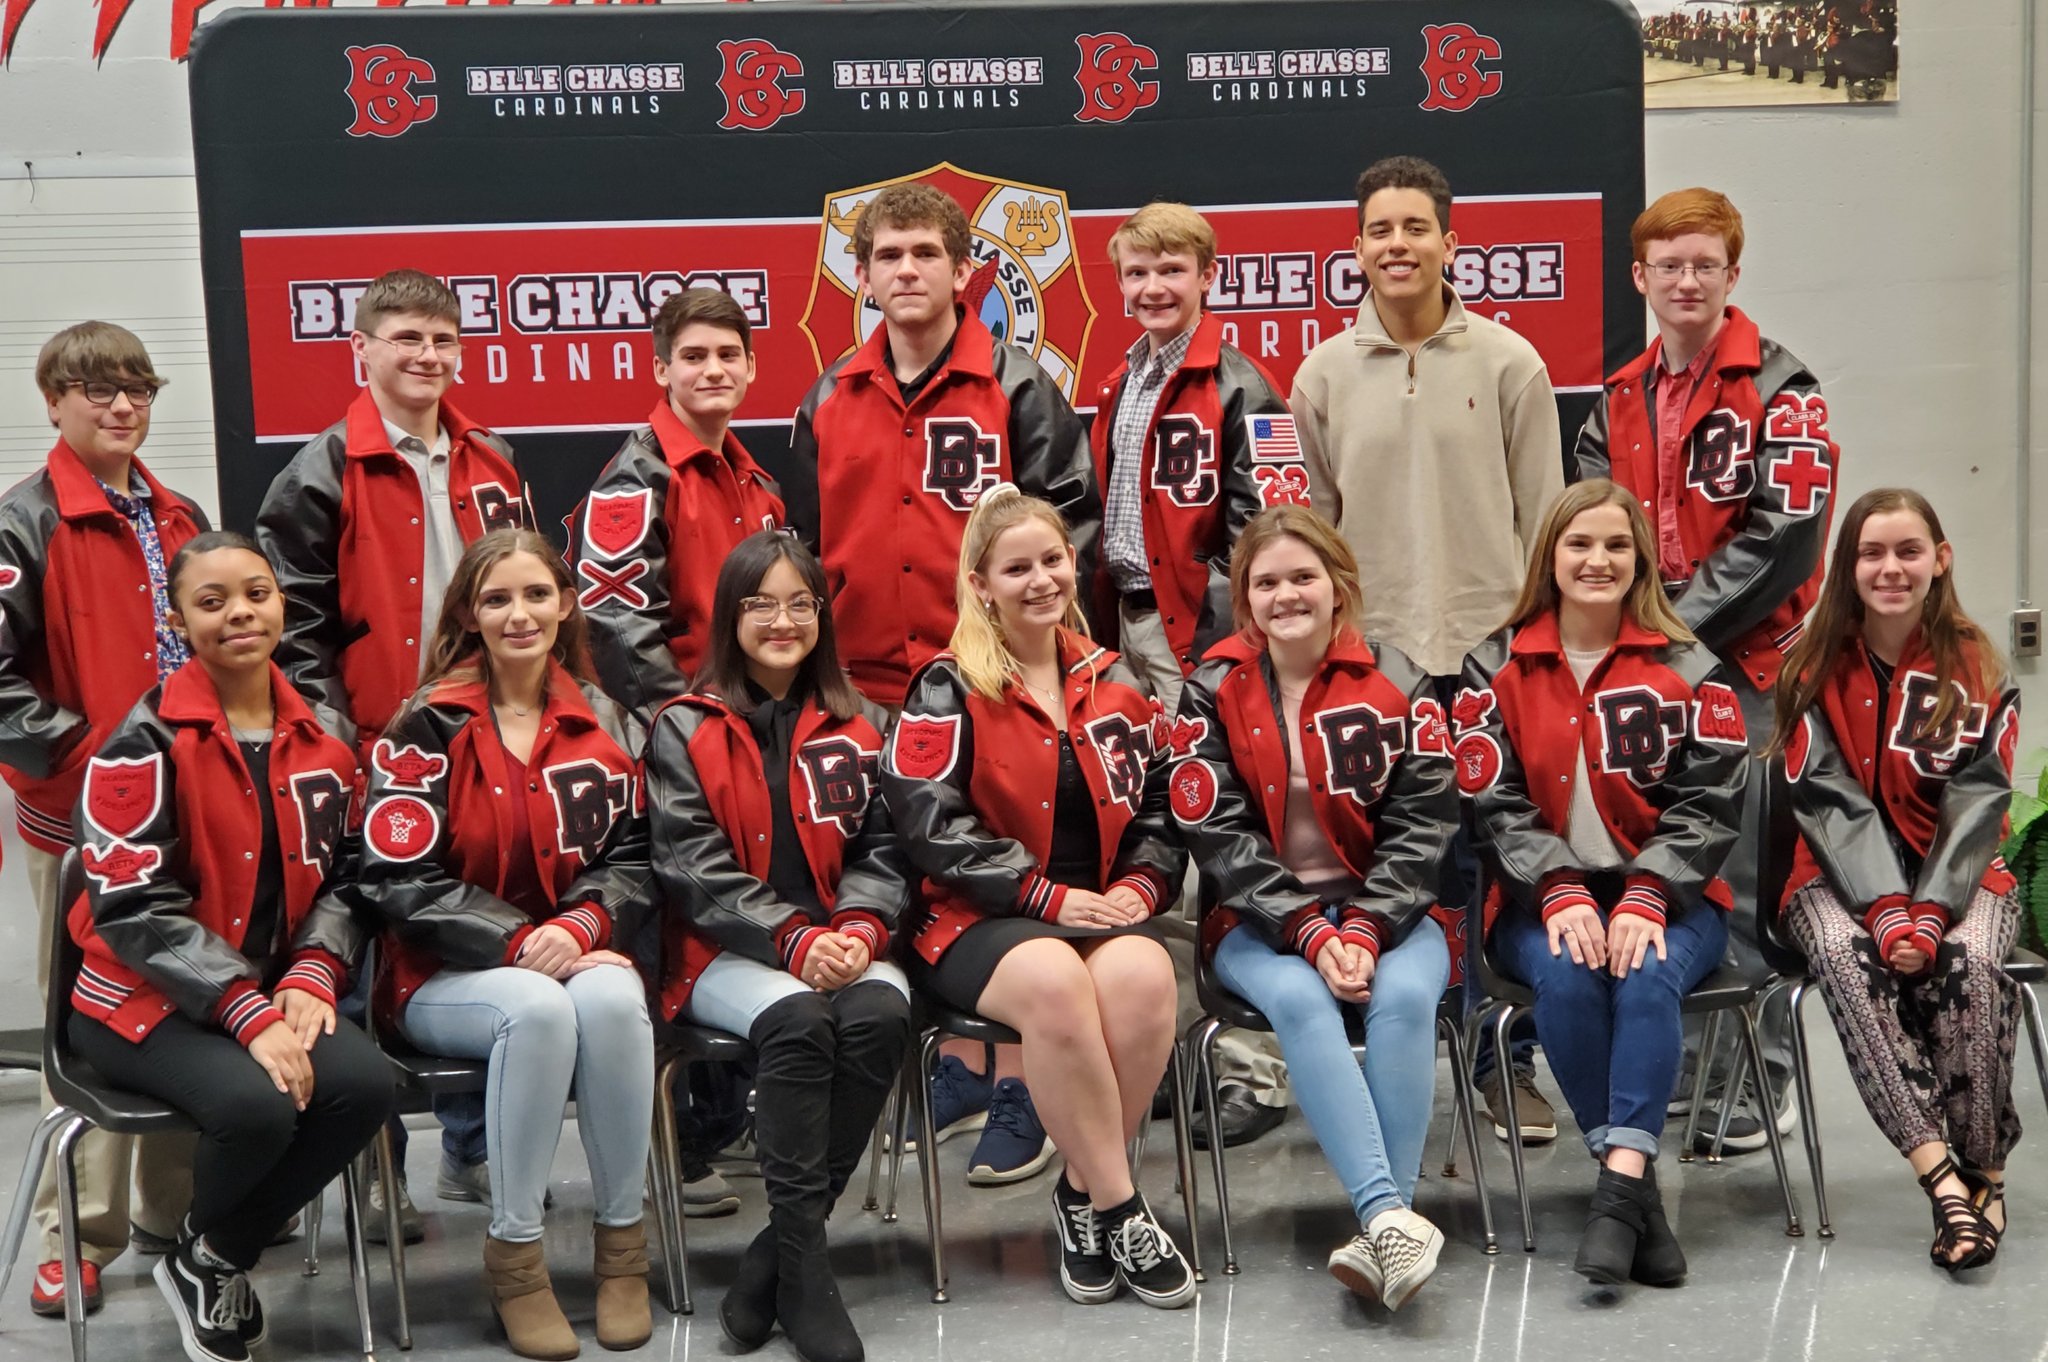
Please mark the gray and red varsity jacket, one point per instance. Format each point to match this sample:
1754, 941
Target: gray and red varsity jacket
1665, 749
1945, 794
1759, 493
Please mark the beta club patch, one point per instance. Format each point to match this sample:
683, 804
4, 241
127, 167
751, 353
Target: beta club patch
118, 865
401, 828
122, 796
1191, 790
925, 746
407, 768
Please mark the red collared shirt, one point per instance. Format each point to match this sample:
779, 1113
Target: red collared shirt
1672, 393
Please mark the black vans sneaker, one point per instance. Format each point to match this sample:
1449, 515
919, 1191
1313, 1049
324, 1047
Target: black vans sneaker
210, 1304
1086, 1270
1146, 1256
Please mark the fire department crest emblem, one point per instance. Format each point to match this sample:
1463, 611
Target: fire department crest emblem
1026, 288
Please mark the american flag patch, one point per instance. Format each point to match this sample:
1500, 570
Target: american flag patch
1273, 439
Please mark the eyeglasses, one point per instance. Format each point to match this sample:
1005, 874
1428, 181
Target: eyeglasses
416, 347
103, 394
1671, 272
764, 609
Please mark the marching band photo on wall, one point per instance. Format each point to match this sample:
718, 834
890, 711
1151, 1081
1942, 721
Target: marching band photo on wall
1703, 54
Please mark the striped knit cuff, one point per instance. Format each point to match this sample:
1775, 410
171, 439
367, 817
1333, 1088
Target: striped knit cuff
244, 1012
43, 831
856, 922
1141, 883
1644, 897
1560, 892
585, 923
1930, 925
795, 939
1308, 931
316, 972
1360, 928
1889, 923
1040, 897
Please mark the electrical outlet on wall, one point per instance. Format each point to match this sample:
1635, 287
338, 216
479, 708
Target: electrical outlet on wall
2026, 631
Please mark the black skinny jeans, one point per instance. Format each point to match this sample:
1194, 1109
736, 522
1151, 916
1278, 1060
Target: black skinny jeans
259, 1159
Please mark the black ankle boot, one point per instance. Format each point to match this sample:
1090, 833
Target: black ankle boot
1614, 1226
807, 1301
747, 1313
1659, 1261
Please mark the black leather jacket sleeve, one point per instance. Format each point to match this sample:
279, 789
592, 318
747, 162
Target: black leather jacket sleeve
1049, 455
149, 924
874, 873
1972, 821
1699, 799
1243, 392
1590, 452
1519, 848
298, 527
35, 731
1840, 823
619, 882
800, 487
1148, 843
941, 831
629, 643
1417, 815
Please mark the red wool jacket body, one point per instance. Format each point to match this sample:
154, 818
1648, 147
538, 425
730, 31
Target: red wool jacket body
437, 830
170, 833
1207, 470
969, 784
343, 526
1666, 755
647, 548
1759, 494
1946, 793
77, 630
1378, 759
883, 489
713, 832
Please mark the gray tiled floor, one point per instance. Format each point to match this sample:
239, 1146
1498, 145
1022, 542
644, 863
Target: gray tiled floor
1754, 1293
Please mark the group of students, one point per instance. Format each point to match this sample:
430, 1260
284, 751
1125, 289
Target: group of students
704, 771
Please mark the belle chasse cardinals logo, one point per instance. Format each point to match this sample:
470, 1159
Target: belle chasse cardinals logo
381, 84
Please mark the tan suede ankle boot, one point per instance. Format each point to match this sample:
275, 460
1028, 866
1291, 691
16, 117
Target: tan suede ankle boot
623, 1321
525, 1300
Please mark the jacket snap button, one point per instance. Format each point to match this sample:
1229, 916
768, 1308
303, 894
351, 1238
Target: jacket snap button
248, 855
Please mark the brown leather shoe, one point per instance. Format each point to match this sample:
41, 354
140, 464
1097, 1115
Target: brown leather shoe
623, 1321
525, 1300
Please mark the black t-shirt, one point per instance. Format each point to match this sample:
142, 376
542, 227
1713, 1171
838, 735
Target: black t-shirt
1076, 859
263, 943
773, 723
917, 385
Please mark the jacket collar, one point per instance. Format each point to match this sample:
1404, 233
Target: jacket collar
1737, 350
680, 446
1540, 637
189, 697
78, 491
973, 353
1371, 331
566, 702
365, 435
1348, 648
1081, 655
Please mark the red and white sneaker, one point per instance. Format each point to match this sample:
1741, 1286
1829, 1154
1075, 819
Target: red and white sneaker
46, 1295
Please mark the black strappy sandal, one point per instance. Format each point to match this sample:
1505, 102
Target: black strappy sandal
1958, 1223
1985, 1192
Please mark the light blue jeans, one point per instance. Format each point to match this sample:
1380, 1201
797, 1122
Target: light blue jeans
546, 1039
733, 991
1371, 1119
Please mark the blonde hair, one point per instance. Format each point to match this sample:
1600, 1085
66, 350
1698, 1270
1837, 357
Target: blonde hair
978, 646
1289, 521
1163, 228
1644, 604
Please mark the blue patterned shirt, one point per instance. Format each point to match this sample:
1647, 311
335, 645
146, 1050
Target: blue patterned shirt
171, 652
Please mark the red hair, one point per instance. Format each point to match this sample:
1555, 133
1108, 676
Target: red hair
1689, 210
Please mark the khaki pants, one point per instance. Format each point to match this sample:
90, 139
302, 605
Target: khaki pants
1142, 643
162, 1163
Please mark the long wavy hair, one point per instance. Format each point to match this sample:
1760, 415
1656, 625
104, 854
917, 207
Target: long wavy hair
1644, 605
1954, 640
724, 670
978, 645
457, 649
1288, 521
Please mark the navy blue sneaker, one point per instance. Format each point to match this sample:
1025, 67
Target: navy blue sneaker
1013, 1144
959, 1102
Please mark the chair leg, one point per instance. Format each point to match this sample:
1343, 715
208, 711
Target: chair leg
67, 1222
1134, 1152
358, 1261
1202, 1036
1766, 1106
2030, 1010
675, 1246
883, 1122
900, 1129
314, 1210
1710, 1035
394, 1236
1809, 1123
32, 1162
1463, 1119
1184, 1158
1731, 1092
1503, 1019
927, 1159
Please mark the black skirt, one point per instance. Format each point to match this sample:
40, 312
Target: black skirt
964, 970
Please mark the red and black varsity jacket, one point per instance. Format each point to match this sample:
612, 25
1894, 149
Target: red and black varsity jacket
342, 525
883, 491
437, 829
1946, 793
1665, 750
77, 630
170, 833
1760, 473
969, 784
1378, 758
712, 829
647, 548
1221, 447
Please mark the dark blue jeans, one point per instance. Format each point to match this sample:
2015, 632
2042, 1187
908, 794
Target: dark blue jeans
1613, 1044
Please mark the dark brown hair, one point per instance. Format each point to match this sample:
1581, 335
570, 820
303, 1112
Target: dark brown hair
913, 205
724, 670
457, 650
1953, 639
1406, 172
712, 306
212, 541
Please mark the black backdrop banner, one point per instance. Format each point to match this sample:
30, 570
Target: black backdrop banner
567, 169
